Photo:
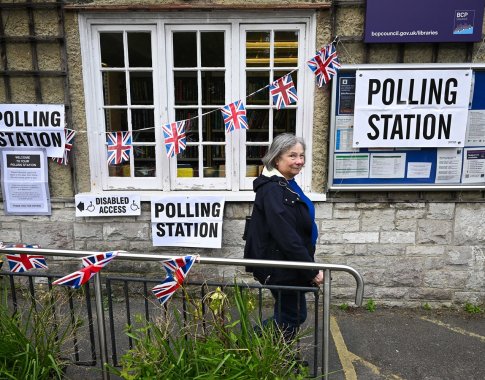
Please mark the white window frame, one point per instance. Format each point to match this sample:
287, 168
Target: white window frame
237, 185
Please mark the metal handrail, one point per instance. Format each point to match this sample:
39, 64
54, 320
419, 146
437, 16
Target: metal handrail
123, 255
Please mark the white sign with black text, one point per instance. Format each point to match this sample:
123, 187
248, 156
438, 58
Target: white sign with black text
411, 108
25, 184
107, 205
33, 125
183, 221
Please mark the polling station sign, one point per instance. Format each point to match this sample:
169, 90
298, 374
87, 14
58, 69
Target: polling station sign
183, 221
33, 125
107, 205
411, 108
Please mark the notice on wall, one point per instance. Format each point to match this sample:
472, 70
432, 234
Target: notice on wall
352, 165
474, 165
183, 221
387, 165
411, 108
33, 125
344, 130
107, 205
448, 165
25, 185
475, 132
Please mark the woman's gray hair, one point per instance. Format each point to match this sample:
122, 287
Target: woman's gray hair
281, 144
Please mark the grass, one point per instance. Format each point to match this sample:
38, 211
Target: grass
226, 344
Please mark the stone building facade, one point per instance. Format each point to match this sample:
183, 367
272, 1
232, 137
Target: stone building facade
412, 247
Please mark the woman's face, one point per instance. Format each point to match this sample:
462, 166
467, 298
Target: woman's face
290, 162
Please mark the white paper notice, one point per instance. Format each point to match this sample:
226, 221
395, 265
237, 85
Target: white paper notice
475, 131
474, 165
448, 165
354, 165
387, 165
419, 169
344, 130
24, 182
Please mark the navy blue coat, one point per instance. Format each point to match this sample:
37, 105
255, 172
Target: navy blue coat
280, 229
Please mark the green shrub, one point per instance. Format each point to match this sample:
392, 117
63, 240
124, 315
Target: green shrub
226, 345
370, 305
32, 340
472, 309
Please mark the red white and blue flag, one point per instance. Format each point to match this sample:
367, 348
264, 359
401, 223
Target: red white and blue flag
325, 64
76, 279
283, 92
119, 147
101, 259
175, 138
234, 116
177, 270
23, 262
67, 147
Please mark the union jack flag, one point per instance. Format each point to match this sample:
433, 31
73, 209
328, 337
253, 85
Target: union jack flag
174, 134
234, 116
325, 64
283, 92
67, 147
119, 147
101, 259
80, 277
177, 270
23, 262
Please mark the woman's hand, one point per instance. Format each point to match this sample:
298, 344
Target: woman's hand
318, 280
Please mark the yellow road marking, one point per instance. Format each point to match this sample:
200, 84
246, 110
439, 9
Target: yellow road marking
347, 358
343, 353
454, 329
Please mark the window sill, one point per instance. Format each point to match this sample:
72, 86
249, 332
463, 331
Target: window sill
230, 196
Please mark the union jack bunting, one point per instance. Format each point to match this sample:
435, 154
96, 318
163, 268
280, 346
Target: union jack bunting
101, 259
119, 147
175, 138
325, 64
234, 116
80, 277
23, 262
283, 92
177, 270
184, 263
67, 147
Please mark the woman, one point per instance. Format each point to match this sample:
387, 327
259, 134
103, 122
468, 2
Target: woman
283, 227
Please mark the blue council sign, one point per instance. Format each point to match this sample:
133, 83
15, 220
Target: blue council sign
395, 21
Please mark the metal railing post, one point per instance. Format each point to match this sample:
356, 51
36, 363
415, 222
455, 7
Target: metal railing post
326, 321
103, 348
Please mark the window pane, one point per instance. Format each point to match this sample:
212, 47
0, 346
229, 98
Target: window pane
254, 166
116, 120
258, 121
257, 49
286, 48
112, 50
257, 80
122, 170
185, 49
141, 87
191, 123
188, 162
114, 88
144, 161
213, 87
213, 127
214, 161
284, 120
212, 49
141, 119
139, 50
185, 83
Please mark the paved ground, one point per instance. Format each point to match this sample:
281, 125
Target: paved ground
397, 344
